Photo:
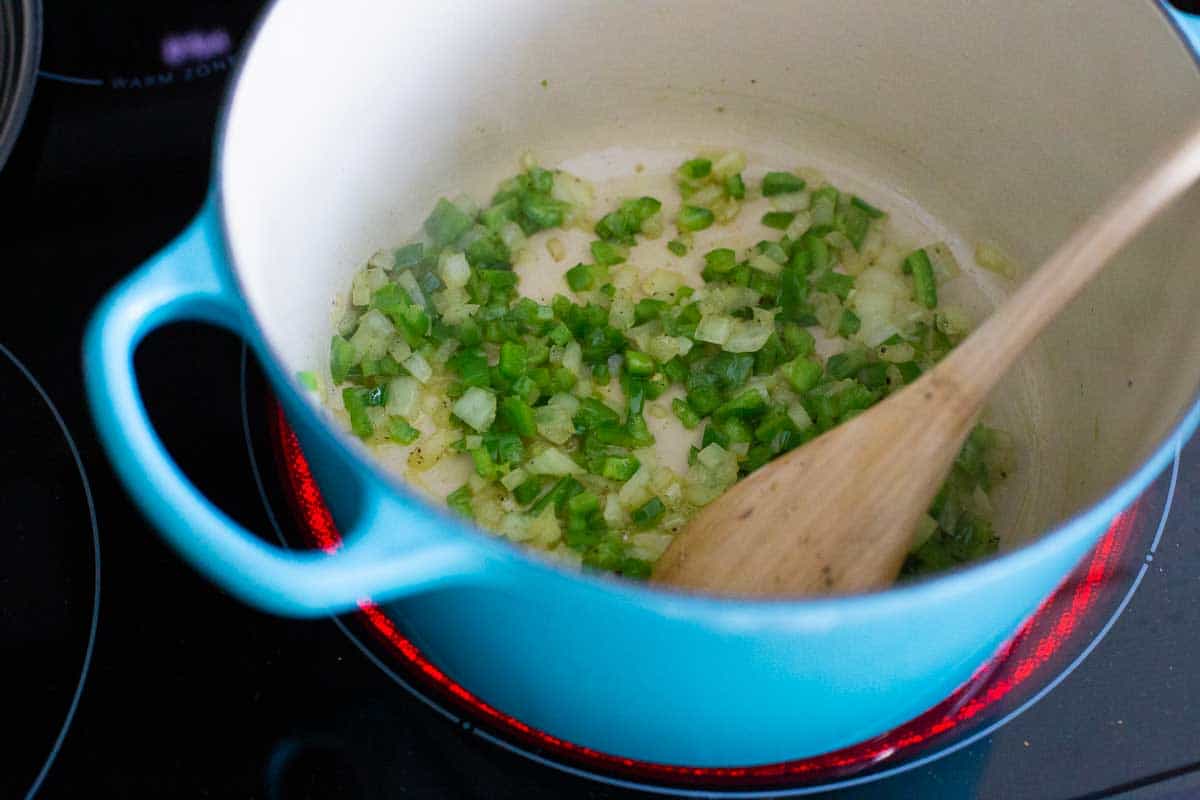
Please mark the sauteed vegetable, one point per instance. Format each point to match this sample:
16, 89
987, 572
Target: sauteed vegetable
548, 402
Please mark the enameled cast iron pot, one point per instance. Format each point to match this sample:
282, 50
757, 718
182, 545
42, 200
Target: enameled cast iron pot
1008, 120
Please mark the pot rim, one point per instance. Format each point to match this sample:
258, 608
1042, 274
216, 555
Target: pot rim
670, 601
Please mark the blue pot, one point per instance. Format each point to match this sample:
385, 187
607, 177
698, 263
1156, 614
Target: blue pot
607, 664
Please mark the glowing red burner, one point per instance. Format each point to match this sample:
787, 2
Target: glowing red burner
1036, 642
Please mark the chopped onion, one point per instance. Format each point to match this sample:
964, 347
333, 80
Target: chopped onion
575, 192
382, 259
621, 312
728, 164
454, 270
800, 225
635, 491
945, 265
799, 416
402, 395
715, 329
926, 527
765, 263
707, 196
373, 336
663, 282
418, 367
545, 529
515, 526
991, 256
477, 408
553, 461
554, 422
649, 546
749, 336
366, 282
410, 285
953, 321
791, 201
514, 479
897, 353
572, 358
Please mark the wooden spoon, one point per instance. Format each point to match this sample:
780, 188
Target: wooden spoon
838, 514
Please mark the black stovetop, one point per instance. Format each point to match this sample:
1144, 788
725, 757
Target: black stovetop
186, 692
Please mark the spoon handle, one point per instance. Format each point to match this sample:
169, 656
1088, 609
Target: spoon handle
979, 362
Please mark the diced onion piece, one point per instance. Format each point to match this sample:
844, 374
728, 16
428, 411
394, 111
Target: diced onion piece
514, 479
408, 282
828, 311
552, 461
614, 515
728, 165
544, 529
554, 423
641, 335
513, 237
662, 282
945, 265
791, 201
765, 264
402, 396
399, 350
715, 471
382, 259
515, 526
575, 192
373, 336
621, 312
635, 491
477, 408
366, 282
925, 528
799, 416
624, 277
800, 225
445, 350
723, 299
649, 546
653, 226
707, 196
991, 256
426, 453
749, 336
453, 305
714, 328
572, 357
418, 367
663, 348
726, 210
455, 270
953, 321
556, 248
897, 353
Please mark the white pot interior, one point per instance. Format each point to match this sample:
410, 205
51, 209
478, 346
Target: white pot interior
1008, 122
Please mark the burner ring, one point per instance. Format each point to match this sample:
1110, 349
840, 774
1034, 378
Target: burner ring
60, 736
20, 52
1067, 627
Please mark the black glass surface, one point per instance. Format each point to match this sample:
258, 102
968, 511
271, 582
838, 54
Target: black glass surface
191, 694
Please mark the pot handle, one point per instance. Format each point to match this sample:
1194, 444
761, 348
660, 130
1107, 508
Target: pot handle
1187, 17
185, 282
